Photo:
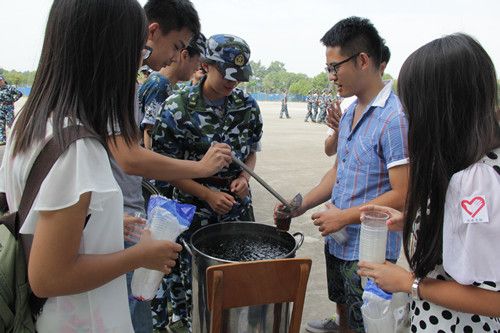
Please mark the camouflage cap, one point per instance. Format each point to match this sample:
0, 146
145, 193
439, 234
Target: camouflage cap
198, 43
1, 77
231, 55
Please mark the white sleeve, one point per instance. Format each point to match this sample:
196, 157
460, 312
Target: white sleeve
471, 250
84, 167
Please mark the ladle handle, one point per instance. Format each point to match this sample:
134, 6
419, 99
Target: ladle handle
261, 181
187, 247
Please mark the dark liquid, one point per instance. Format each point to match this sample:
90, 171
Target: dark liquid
248, 248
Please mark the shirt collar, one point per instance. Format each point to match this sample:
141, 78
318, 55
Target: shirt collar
383, 95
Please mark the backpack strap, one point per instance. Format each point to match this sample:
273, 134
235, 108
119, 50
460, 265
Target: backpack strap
44, 162
39, 171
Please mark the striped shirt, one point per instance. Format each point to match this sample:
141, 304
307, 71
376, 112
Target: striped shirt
377, 143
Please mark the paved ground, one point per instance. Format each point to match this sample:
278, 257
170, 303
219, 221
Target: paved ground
292, 160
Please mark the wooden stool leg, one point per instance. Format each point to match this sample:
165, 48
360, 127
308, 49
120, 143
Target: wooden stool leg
216, 315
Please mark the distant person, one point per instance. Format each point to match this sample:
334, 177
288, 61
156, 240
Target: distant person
309, 114
284, 105
8, 96
315, 105
323, 102
77, 259
212, 111
371, 164
452, 220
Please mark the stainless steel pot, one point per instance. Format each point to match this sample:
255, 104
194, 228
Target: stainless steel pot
253, 319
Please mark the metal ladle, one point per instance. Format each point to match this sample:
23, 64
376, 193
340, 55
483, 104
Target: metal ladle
263, 183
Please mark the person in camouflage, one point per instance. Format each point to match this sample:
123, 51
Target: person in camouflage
284, 105
8, 95
193, 119
309, 101
152, 94
323, 100
315, 103
161, 84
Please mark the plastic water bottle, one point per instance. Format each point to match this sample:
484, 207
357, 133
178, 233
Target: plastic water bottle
163, 226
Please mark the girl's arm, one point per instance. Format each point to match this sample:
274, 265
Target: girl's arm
449, 294
56, 268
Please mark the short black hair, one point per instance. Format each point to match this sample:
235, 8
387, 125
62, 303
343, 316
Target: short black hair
355, 34
385, 56
173, 15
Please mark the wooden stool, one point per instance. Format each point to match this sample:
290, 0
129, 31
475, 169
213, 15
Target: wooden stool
255, 283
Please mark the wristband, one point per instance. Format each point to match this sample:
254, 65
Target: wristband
414, 289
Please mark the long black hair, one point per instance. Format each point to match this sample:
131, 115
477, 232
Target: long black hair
448, 89
87, 71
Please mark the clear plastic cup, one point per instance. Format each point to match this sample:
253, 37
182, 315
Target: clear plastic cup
373, 239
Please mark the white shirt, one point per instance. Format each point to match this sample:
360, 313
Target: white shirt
84, 167
471, 250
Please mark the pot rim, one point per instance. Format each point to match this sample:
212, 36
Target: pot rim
194, 249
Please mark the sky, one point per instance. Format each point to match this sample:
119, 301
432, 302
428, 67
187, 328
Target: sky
287, 30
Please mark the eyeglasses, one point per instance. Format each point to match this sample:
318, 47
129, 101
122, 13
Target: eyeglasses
146, 52
333, 68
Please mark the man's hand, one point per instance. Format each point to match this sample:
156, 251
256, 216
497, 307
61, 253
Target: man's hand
220, 202
216, 158
334, 114
330, 220
239, 186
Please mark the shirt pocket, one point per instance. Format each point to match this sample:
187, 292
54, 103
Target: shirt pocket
364, 153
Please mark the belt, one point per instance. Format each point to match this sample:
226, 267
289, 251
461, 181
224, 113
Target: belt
6, 103
215, 181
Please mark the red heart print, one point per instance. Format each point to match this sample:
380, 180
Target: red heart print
473, 206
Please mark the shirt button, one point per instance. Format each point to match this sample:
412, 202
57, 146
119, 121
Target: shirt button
337, 181
343, 160
348, 139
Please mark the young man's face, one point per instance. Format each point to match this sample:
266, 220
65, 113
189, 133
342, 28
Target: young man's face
166, 47
217, 83
346, 75
2, 83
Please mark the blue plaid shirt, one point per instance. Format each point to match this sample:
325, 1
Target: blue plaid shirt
364, 155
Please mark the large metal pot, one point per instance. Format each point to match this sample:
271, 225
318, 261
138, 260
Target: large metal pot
251, 319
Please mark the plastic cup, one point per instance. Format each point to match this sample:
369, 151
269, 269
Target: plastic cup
373, 239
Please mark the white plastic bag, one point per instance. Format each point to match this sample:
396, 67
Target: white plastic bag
376, 309
167, 219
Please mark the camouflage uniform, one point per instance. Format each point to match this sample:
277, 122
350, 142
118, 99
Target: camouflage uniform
284, 106
8, 95
185, 129
315, 101
153, 92
309, 114
322, 101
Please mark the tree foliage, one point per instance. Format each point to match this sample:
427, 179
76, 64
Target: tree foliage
18, 78
276, 79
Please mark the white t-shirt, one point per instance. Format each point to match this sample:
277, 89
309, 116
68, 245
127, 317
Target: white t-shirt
470, 245
84, 167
